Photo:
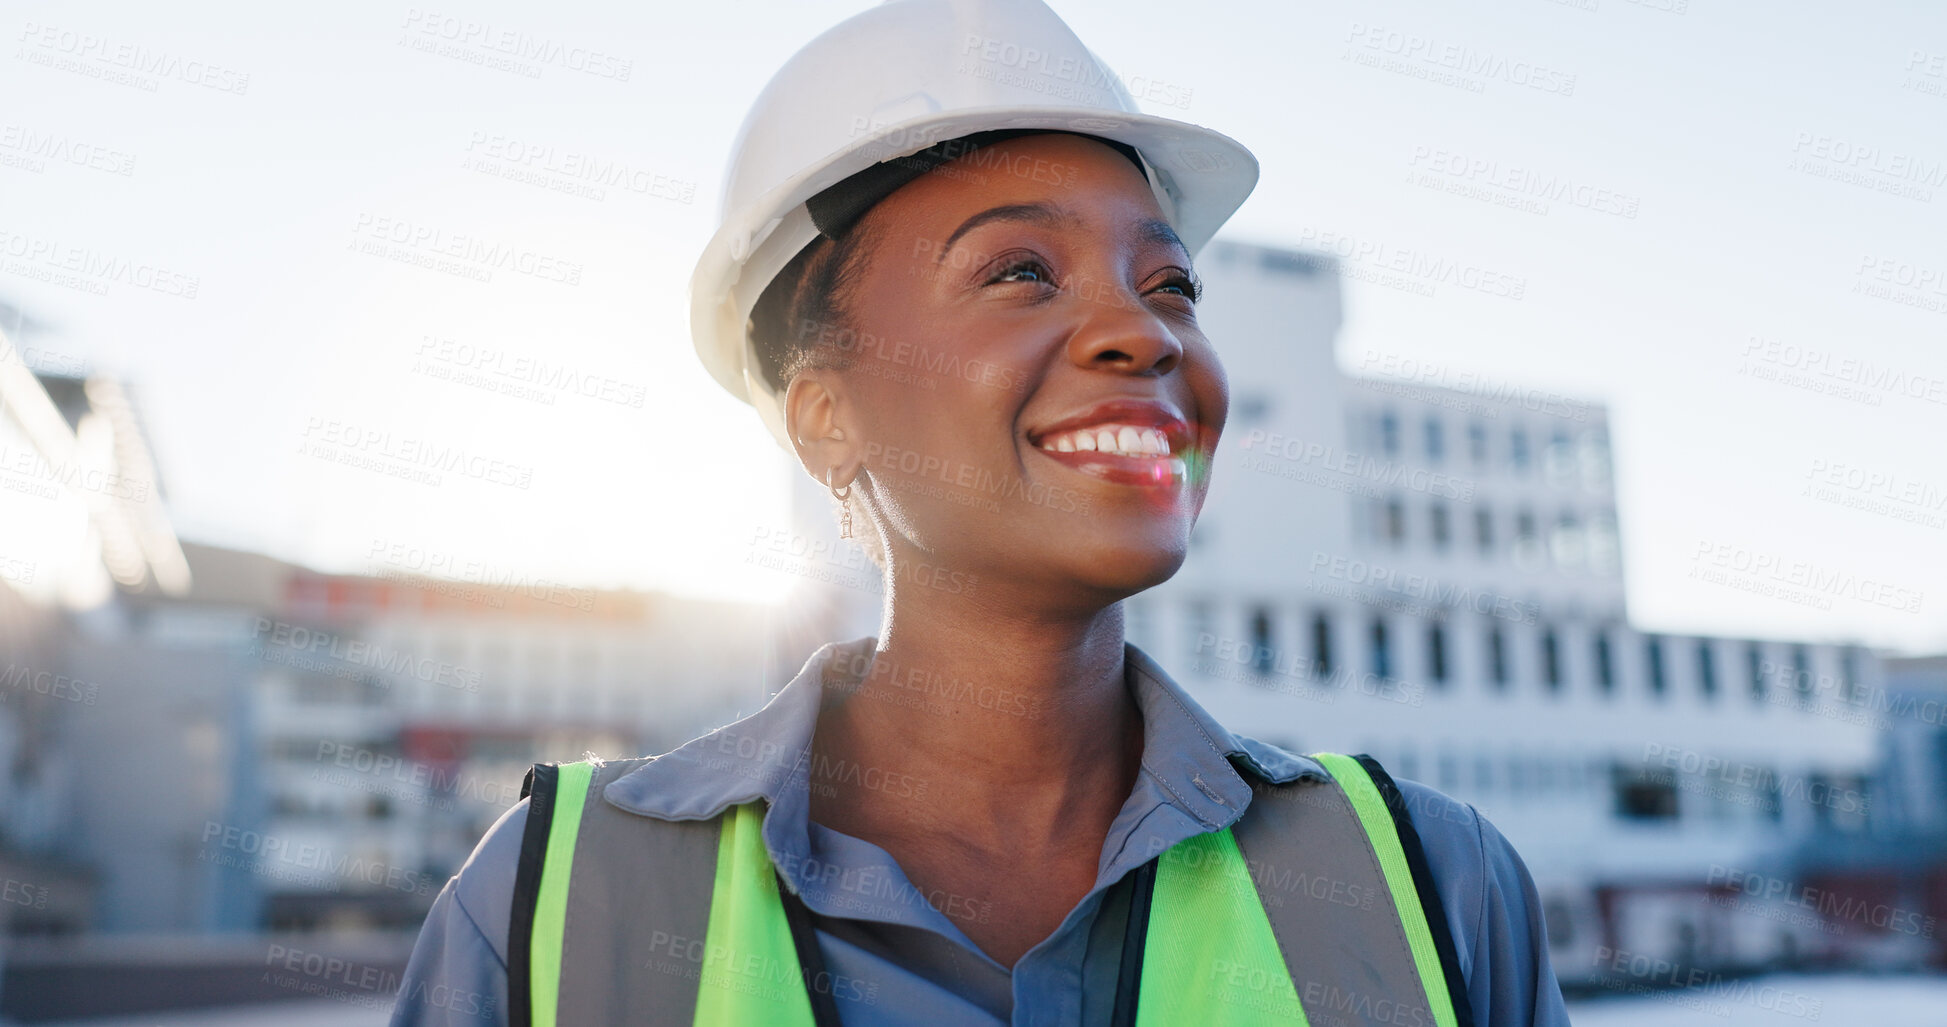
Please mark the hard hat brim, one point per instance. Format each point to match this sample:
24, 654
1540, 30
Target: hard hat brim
1200, 177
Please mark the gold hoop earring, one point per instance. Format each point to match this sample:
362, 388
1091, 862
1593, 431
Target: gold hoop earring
841, 494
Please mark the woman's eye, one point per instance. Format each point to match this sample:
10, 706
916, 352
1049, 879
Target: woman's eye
1186, 287
1024, 271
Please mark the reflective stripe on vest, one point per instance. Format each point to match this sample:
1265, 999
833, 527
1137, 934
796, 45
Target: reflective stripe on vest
1317, 899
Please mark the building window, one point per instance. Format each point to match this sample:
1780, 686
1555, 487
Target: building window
1389, 433
1605, 667
1395, 522
1645, 793
1565, 544
1321, 645
1518, 450
1527, 541
1849, 673
1600, 544
1706, 670
1380, 657
1484, 529
1551, 660
1436, 442
1441, 531
1497, 657
1261, 640
1477, 443
1653, 656
1436, 652
1802, 674
1754, 669
1560, 459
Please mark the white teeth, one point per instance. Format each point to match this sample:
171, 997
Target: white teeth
1121, 439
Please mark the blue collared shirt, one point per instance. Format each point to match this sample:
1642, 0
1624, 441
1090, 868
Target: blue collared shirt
891, 949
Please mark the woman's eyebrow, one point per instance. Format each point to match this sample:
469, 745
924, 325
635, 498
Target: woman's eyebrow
1047, 215
1158, 230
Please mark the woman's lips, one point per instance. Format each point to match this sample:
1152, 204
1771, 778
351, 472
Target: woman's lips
1148, 471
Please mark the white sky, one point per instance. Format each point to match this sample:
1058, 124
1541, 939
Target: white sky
1724, 124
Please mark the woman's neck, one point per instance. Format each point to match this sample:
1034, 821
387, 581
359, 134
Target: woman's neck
1021, 725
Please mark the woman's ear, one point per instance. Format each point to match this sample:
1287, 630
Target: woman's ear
817, 415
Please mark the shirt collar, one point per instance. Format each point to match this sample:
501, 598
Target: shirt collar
1194, 758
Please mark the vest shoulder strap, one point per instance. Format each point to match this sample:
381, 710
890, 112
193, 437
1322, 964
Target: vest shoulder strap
1409, 892
705, 939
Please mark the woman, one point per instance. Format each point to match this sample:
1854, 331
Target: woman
996, 811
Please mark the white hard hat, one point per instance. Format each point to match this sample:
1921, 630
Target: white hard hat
898, 79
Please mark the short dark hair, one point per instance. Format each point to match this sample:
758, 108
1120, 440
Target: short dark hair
806, 303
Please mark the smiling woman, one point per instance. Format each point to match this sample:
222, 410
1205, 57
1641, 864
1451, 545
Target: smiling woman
997, 810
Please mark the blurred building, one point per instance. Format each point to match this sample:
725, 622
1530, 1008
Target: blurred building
204, 743
200, 739
82, 524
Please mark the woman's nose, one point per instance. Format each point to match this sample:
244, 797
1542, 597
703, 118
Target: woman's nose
1119, 333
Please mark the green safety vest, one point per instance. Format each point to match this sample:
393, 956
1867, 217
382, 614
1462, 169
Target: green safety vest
1318, 898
